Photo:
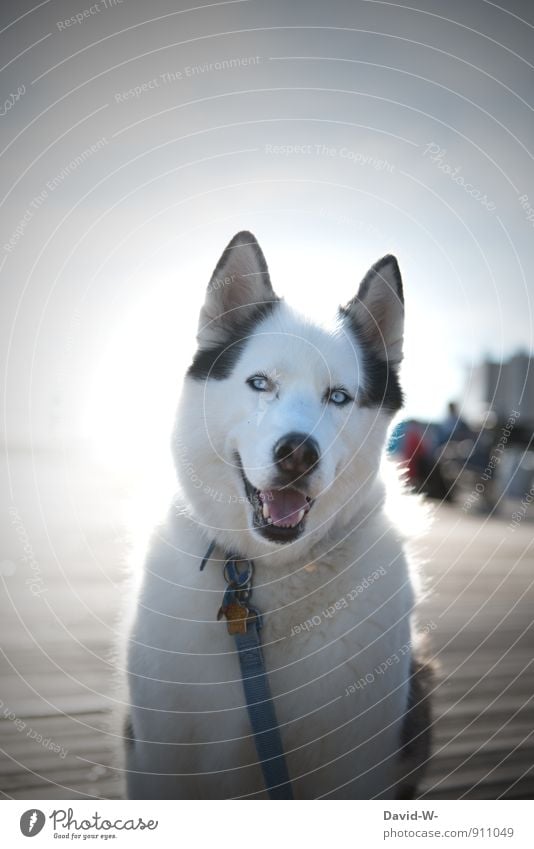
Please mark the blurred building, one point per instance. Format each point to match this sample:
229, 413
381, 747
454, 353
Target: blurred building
502, 388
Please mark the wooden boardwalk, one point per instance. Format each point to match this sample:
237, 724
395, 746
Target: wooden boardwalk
61, 585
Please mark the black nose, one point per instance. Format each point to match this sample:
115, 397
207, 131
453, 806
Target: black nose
296, 454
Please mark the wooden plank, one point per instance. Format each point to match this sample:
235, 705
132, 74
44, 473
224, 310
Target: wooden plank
58, 676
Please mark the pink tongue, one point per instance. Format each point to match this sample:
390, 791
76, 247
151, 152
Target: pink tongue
284, 505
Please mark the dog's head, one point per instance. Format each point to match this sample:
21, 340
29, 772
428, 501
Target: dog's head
282, 423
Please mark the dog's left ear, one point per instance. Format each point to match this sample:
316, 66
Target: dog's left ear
377, 311
239, 292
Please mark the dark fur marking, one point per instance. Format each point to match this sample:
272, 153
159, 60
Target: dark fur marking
383, 387
382, 382
128, 732
416, 730
218, 362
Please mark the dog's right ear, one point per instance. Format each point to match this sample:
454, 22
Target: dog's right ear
239, 293
377, 311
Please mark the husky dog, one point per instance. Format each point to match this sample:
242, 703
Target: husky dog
278, 445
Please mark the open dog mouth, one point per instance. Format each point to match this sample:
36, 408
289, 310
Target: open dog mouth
278, 514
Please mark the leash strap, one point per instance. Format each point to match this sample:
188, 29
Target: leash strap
262, 714
244, 623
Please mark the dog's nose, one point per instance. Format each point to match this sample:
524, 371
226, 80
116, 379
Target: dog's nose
296, 454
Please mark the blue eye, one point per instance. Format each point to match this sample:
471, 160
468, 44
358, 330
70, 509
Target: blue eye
339, 397
259, 383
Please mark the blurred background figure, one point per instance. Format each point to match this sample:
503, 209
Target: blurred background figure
483, 458
454, 427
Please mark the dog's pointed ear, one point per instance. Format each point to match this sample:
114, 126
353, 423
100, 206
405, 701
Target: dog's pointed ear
239, 292
377, 311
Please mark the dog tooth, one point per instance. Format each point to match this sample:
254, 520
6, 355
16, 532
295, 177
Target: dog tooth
269, 520
265, 510
300, 516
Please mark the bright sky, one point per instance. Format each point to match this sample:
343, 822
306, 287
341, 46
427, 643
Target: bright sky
336, 132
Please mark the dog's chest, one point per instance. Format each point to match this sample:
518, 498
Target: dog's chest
336, 641
335, 628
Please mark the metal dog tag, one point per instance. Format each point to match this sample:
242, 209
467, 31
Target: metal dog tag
236, 617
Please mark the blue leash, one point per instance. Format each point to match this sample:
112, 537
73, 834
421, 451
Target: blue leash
244, 623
